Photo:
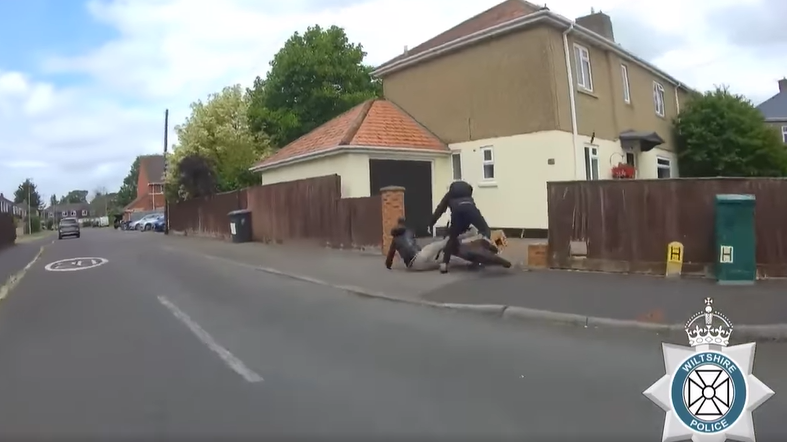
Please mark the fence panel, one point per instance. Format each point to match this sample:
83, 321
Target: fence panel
206, 216
627, 224
359, 222
7, 230
294, 210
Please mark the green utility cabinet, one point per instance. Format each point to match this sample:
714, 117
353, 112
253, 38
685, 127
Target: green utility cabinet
736, 262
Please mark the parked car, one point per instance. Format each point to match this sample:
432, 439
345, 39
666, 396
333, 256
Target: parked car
160, 224
140, 223
151, 223
68, 227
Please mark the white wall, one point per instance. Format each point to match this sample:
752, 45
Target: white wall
353, 168
517, 197
610, 154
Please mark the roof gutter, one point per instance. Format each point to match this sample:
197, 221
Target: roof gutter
350, 149
516, 24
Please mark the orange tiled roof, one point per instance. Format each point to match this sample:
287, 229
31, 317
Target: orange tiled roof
373, 123
503, 12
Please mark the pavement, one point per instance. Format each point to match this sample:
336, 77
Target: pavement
161, 342
15, 257
759, 312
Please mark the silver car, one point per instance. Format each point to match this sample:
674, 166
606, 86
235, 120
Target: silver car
141, 223
68, 227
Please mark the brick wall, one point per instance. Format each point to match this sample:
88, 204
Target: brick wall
393, 209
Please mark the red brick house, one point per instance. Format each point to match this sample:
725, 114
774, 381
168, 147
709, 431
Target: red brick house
150, 185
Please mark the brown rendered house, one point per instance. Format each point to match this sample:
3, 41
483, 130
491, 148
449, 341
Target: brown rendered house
150, 185
497, 90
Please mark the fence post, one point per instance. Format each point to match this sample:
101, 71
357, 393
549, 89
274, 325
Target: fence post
393, 208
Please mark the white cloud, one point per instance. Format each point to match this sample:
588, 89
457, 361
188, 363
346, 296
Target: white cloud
172, 52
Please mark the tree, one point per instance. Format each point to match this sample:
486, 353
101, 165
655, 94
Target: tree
75, 197
27, 194
196, 177
217, 131
722, 134
102, 202
128, 190
313, 78
53, 200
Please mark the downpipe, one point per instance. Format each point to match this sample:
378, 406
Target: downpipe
572, 99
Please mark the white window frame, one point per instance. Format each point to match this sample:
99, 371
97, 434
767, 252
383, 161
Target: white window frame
456, 157
660, 166
73, 213
485, 162
591, 157
658, 99
64, 213
624, 75
784, 134
584, 69
84, 212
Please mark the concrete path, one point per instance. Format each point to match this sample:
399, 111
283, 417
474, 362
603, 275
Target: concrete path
165, 345
625, 297
581, 298
15, 257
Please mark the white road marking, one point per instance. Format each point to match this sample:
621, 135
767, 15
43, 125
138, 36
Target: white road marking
233, 362
74, 264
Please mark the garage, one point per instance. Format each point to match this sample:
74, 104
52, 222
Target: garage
416, 178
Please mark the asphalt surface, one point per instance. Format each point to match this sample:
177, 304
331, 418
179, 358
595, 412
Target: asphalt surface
170, 345
631, 297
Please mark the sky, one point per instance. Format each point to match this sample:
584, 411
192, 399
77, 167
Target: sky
84, 85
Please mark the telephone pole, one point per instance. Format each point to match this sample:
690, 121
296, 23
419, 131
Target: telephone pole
29, 207
166, 165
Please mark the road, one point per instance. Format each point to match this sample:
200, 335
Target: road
160, 343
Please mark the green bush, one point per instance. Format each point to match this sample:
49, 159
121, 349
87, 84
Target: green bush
34, 224
722, 134
50, 223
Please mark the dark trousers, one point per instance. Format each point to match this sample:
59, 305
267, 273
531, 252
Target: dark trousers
462, 218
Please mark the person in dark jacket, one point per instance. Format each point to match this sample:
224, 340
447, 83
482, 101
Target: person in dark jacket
420, 259
464, 214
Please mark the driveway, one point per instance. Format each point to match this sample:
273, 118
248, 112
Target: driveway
174, 346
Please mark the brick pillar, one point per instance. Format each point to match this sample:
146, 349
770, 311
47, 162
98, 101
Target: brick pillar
393, 208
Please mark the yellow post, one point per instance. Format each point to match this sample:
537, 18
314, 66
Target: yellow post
674, 259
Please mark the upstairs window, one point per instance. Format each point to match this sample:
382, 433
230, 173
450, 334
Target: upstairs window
584, 75
624, 75
658, 98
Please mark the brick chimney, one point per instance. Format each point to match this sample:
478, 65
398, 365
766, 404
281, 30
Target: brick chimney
783, 85
599, 23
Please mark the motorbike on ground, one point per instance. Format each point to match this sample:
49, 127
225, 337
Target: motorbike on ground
480, 252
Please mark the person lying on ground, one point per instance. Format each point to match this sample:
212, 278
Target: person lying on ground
464, 213
427, 258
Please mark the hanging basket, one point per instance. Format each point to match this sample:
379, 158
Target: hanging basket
623, 171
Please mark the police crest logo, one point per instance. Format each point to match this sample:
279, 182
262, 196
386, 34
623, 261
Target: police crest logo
709, 391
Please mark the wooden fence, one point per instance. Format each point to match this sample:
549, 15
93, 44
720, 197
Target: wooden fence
7, 230
627, 224
309, 209
206, 216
